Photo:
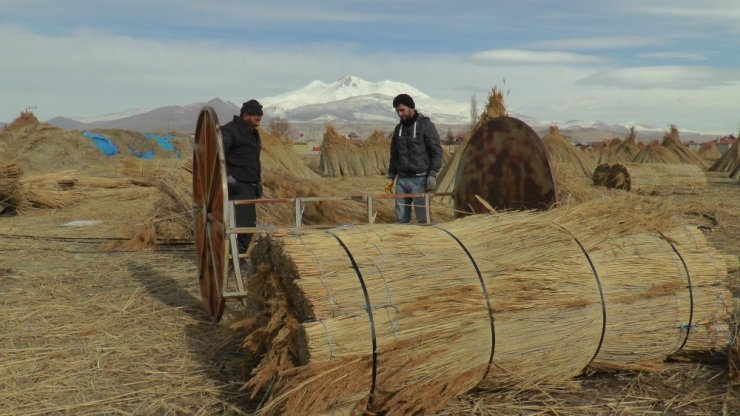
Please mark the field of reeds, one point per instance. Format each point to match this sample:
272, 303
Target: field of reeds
101, 310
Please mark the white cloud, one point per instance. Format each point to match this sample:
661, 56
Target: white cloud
89, 73
525, 57
669, 77
684, 56
610, 42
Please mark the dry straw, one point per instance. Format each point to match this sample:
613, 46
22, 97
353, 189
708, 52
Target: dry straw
560, 150
709, 151
353, 318
672, 142
651, 178
339, 156
278, 155
729, 162
376, 153
655, 153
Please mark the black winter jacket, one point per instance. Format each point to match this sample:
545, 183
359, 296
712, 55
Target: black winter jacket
415, 148
242, 146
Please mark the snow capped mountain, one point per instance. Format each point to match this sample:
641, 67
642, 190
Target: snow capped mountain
109, 117
318, 92
353, 99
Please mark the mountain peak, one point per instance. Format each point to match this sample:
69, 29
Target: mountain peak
349, 86
350, 81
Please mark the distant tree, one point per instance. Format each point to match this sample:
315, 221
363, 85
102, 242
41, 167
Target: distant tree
450, 137
473, 110
279, 127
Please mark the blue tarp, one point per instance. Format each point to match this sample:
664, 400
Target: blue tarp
103, 143
148, 155
162, 141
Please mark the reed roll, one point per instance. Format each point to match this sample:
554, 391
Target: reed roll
400, 319
651, 178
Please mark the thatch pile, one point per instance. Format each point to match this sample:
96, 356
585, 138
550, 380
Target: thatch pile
672, 142
560, 150
41, 147
351, 319
323, 212
729, 162
573, 187
709, 151
10, 187
495, 107
146, 169
375, 154
628, 149
655, 153
278, 155
608, 151
339, 156
651, 178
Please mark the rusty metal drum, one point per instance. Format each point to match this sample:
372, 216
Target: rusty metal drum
506, 164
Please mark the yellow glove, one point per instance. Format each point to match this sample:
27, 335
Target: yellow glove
389, 186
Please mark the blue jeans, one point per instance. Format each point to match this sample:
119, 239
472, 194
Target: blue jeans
410, 185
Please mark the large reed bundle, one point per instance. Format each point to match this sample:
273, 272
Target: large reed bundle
339, 156
560, 150
709, 151
573, 187
49, 190
352, 318
495, 107
655, 153
729, 162
278, 155
628, 149
672, 142
651, 178
608, 152
376, 153
149, 170
10, 187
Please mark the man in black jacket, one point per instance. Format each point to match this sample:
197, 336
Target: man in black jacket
242, 146
416, 157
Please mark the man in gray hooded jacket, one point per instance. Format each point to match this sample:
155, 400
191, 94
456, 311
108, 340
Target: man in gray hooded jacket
416, 158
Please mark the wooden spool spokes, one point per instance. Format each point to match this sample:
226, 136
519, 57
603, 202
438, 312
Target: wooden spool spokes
210, 200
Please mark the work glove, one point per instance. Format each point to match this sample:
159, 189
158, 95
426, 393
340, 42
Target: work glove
258, 190
431, 183
389, 186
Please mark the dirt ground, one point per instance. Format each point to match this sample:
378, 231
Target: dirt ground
90, 331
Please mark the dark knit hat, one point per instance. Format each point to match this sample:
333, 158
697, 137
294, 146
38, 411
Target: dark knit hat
252, 107
404, 99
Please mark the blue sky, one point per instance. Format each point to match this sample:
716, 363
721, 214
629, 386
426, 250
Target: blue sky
653, 62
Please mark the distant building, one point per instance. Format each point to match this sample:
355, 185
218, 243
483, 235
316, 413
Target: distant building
724, 143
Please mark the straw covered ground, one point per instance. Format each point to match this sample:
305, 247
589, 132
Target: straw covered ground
89, 329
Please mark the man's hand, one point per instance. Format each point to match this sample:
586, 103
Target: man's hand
431, 183
389, 186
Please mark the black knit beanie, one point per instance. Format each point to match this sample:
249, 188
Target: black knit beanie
252, 107
404, 99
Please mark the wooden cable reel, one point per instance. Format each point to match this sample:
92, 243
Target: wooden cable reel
210, 201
